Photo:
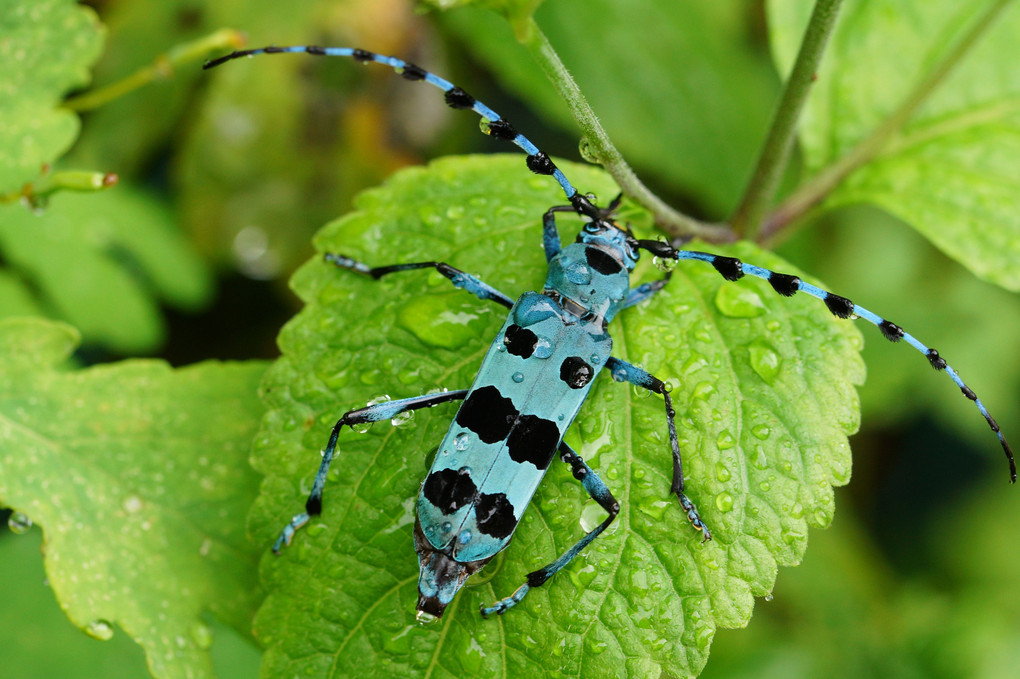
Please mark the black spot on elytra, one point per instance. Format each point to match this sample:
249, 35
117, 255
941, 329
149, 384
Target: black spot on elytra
520, 341
495, 515
449, 489
576, 372
602, 262
488, 414
533, 439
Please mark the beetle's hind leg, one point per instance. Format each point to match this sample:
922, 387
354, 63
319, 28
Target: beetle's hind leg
386, 410
598, 492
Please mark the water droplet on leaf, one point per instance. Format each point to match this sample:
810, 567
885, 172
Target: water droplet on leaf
19, 523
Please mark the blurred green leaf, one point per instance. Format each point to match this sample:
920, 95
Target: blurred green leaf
36, 639
279, 144
951, 171
868, 255
764, 388
46, 50
846, 614
515, 11
138, 475
677, 85
93, 257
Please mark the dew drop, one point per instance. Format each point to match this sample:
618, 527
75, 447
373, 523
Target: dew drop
591, 516
724, 501
587, 151
769, 597
19, 523
202, 634
761, 431
704, 637
664, 263
738, 301
518, 377
722, 472
99, 629
764, 360
577, 273
403, 418
424, 618
462, 440
759, 459
725, 440
361, 427
543, 347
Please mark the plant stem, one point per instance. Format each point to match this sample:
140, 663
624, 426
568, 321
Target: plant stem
163, 67
815, 190
33, 193
775, 154
672, 222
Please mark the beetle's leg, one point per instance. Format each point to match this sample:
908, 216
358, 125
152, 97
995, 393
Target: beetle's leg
464, 281
386, 410
623, 371
644, 291
598, 492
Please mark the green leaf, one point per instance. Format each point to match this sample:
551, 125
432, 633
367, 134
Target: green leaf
951, 170
764, 391
46, 50
137, 473
517, 12
675, 84
38, 641
89, 257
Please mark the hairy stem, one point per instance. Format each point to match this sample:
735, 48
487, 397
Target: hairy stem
163, 67
599, 146
815, 190
775, 153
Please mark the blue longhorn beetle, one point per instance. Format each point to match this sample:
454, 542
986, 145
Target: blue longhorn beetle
508, 430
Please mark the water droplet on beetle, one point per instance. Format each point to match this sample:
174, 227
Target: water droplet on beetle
403, 418
543, 348
664, 263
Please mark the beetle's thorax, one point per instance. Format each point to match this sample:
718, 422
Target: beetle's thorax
592, 275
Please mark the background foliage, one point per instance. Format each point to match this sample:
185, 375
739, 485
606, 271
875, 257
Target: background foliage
224, 177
